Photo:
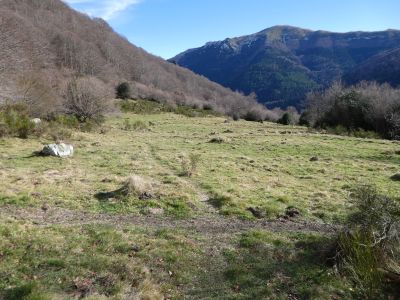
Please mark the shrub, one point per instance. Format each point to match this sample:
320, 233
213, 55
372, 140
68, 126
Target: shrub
91, 124
207, 106
367, 106
60, 134
189, 165
360, 262
235, 117
123, 91
285, 119
290, 117
304, 119
365, 134
34, 91
194, 113
87, 99
369, 248
3, 130
144, 107
255, 115
16, 121
69, 121
136, 126
23, 126
40, 129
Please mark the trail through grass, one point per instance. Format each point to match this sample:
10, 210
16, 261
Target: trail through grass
195, 236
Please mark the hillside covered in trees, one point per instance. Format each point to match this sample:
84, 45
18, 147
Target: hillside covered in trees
44, 43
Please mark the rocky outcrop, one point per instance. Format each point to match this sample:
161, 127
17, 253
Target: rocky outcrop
58, 150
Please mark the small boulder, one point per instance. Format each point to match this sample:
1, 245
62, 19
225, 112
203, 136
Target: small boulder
58, 150
314, 158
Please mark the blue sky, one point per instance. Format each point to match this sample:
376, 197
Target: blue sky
168, 27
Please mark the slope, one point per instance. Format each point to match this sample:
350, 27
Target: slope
281, 64
43, 43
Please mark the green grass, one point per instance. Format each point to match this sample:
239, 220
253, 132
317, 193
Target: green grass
87, 260
61, 262
257, 165
262, 165
277, 266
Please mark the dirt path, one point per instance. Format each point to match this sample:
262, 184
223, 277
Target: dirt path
208, 224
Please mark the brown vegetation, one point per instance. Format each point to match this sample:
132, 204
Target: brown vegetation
366, 107
48, 39
87, 98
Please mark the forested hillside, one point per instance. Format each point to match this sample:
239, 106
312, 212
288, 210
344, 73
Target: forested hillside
282, 64
44, 43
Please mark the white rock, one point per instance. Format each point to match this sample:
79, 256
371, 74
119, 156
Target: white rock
59, 150
36, 121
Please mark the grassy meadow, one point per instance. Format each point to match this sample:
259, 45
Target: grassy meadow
202, 168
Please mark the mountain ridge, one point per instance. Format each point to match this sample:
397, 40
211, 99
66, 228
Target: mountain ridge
282, 63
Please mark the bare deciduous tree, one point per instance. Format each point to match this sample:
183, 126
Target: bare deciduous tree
87, 98
64, 43
35, 92
369, 106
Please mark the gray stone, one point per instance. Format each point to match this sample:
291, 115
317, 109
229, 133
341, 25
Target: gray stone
58, 150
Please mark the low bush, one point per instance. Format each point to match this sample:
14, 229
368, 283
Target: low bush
358, 133
255, 115
147, 107
289, 117
60, 134
87, 98
135, 126
123, 91
15, 121
361, 109
69, 121
144, 107
190, 164
369, 248
195, 113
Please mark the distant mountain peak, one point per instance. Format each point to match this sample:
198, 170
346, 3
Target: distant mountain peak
282, 63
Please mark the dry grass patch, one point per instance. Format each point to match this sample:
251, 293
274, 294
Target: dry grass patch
138, 186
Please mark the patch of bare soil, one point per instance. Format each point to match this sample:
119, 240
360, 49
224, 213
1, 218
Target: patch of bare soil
207, 224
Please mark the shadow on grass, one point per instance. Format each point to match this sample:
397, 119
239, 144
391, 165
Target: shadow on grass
264, 266
105, 196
